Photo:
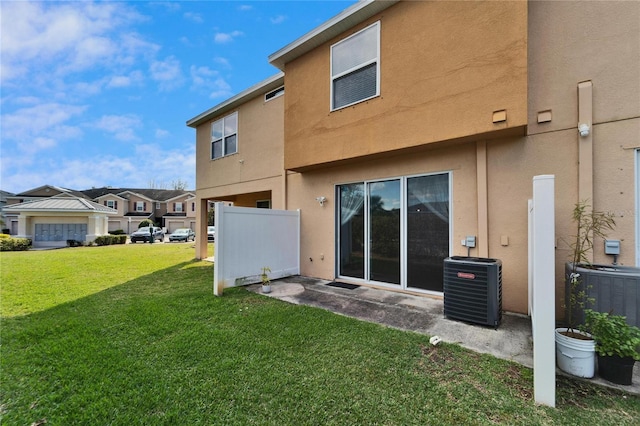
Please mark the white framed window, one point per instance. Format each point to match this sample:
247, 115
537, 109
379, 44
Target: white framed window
274, 94
157, 206
177, 207
112, 204
355, 67
140, 206
224, 136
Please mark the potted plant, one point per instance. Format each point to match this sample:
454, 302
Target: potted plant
617, 345
264, 278
575, 349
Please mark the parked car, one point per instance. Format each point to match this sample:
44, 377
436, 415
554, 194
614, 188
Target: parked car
211, 233
182, 234
142, 234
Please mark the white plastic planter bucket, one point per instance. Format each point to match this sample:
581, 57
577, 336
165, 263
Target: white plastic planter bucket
575, 356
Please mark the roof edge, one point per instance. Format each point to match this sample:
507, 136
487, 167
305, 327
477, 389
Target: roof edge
270, 83
351, 16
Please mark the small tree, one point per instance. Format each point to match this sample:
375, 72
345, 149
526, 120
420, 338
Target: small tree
589, 225
179, 184
145, 223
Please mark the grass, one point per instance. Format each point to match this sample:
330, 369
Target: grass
135, 337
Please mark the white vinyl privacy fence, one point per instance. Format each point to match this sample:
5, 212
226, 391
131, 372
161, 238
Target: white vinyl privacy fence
249, 239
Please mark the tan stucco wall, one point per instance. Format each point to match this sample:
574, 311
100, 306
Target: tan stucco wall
318, 222
253, 172
445, 68
572, 42
569, 42
259, 156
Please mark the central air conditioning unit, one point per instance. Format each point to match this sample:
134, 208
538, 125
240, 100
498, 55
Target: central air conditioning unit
473, 290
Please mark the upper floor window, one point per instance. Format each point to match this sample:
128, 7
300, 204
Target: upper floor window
140, 206
112, 203
177, 207
157, 206
355, 67
224, 136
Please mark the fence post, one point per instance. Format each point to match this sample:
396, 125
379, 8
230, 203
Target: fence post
544, 302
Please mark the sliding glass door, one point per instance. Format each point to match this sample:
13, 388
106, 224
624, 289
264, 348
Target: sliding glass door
395, 232
351, 230
384, 231
427, 230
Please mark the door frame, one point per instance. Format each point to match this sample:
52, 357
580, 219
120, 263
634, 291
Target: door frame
403, 230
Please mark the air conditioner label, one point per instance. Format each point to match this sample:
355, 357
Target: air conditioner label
467, 275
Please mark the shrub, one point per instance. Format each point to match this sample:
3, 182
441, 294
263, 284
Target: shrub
117, 232
107, 240
14, 244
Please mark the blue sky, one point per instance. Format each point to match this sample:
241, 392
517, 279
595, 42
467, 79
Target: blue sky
98, 93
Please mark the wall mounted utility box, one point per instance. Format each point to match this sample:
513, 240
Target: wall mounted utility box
473, 290
612, 247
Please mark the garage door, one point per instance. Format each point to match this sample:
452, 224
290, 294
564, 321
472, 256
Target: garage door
57, 234
173, 225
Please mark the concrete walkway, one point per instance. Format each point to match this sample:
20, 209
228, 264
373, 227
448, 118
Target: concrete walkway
511, 341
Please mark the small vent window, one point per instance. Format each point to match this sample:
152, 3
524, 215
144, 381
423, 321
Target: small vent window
274, 94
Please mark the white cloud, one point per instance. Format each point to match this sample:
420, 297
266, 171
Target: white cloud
121, 126
224, 38
222, 61
161, 133
46, 121
167, 73
278, 19
194, 17
245, 7
206, 79
117, 81
79, 35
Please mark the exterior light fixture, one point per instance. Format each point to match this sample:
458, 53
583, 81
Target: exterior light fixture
321, 200
583, 129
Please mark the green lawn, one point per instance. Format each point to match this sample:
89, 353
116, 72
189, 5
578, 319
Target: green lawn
132, 335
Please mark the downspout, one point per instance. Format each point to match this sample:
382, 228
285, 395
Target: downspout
482, 242
585, 145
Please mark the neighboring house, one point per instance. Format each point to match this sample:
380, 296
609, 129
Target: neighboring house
171, 209
3, 202
52, 221
422, 123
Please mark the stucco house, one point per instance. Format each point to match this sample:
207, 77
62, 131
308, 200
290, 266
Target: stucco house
422, 123
124, 208
52, 221
169, 208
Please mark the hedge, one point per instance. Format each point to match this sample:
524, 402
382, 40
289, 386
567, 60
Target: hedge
107, 240
9, 243
117, 232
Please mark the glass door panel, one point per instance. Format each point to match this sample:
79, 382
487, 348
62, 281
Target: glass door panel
351, 232
384, 231
427, 230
